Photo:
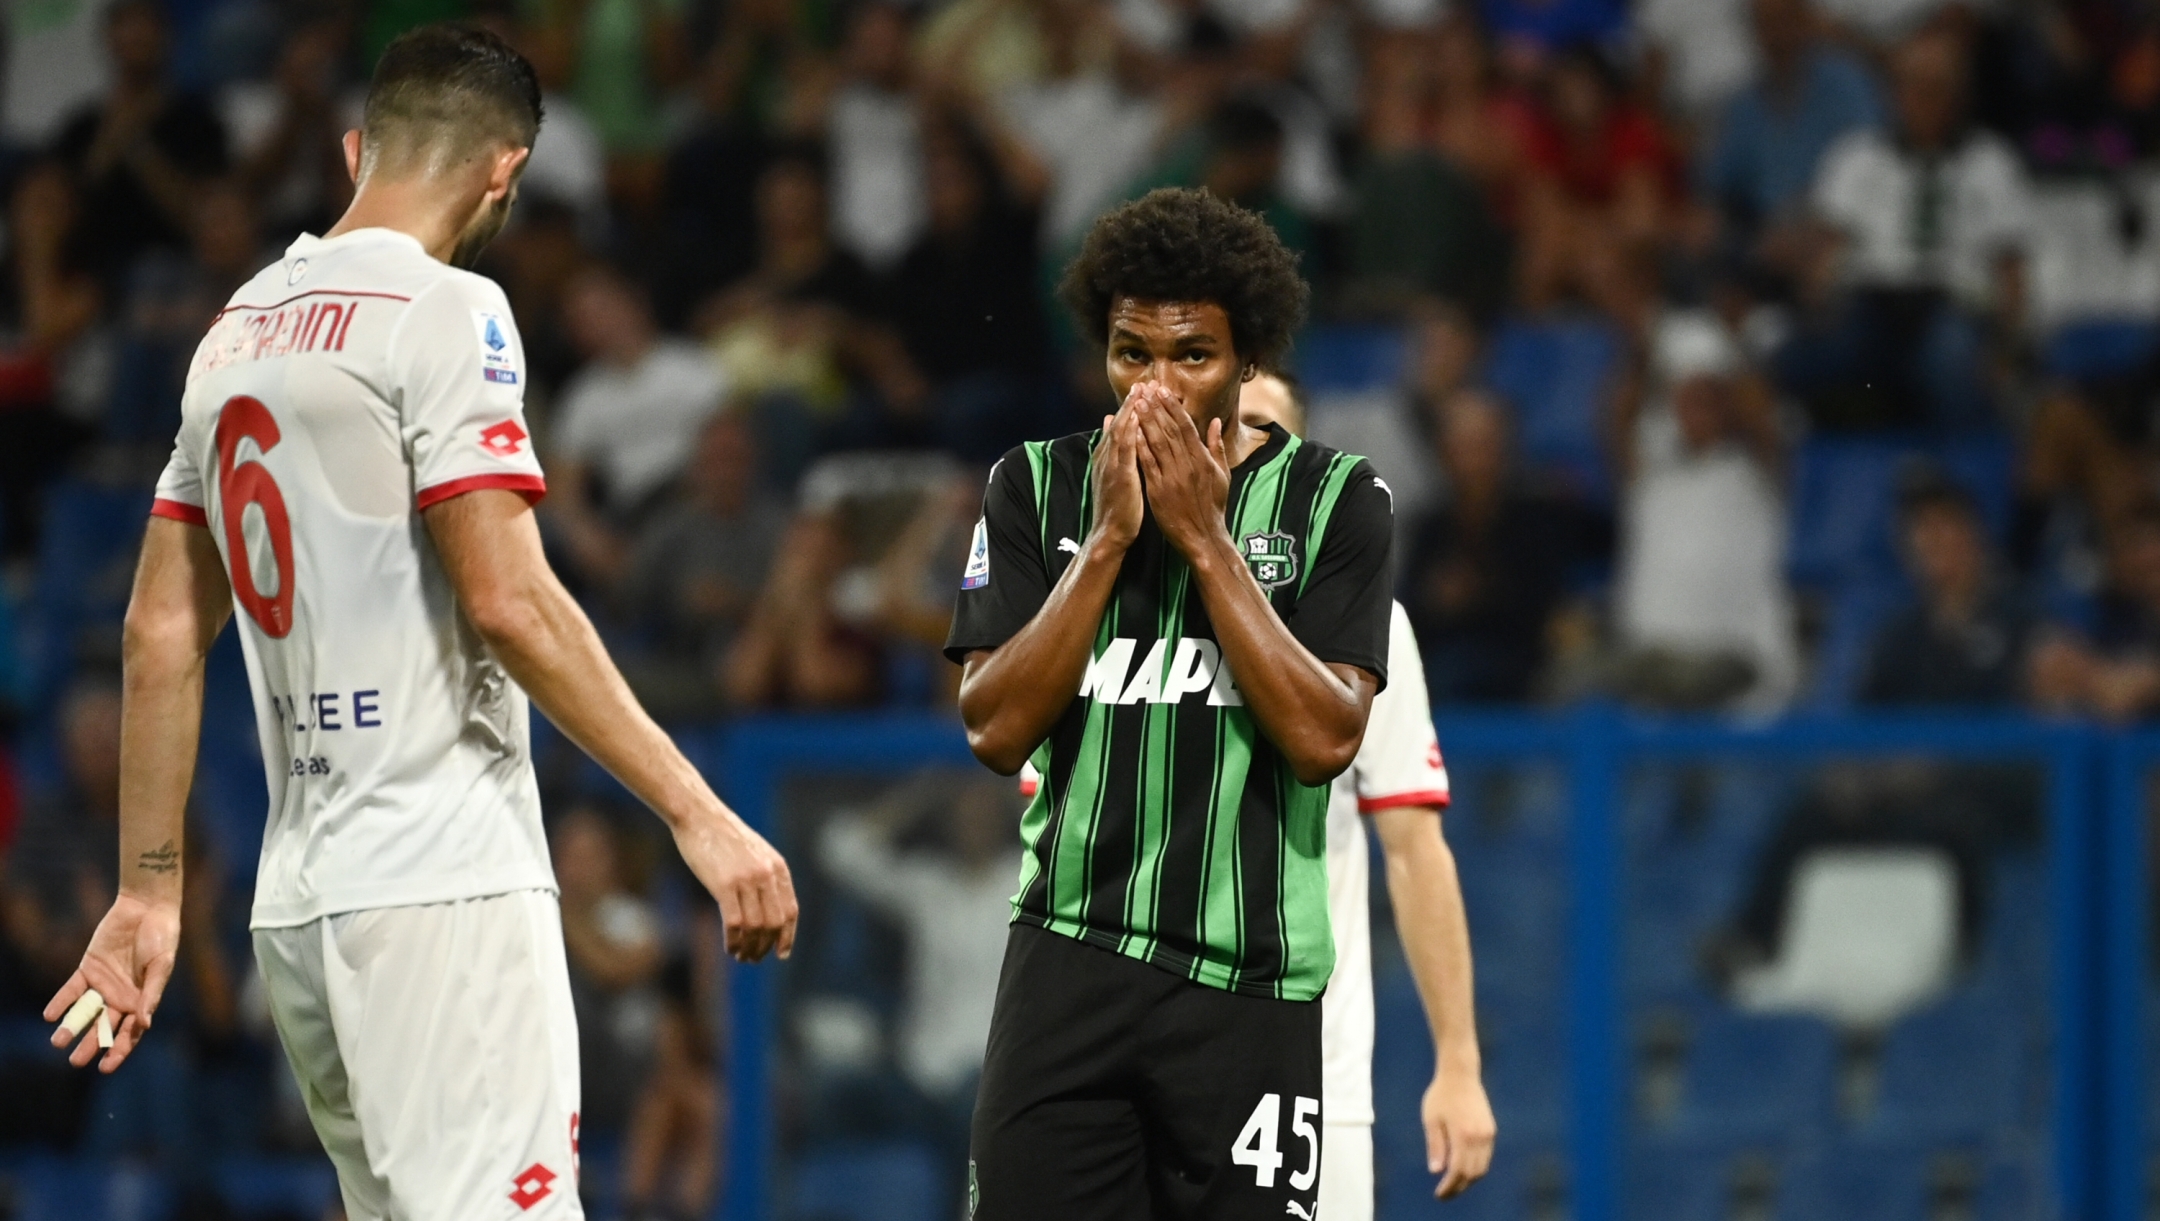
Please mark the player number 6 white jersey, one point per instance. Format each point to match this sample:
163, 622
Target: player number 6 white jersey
344, 389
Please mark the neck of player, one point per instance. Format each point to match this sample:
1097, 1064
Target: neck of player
439, 205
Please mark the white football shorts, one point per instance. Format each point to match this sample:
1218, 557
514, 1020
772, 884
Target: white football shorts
1346, 1173
437, 1051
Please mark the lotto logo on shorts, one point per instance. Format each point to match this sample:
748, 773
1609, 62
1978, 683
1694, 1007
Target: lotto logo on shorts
532, 1185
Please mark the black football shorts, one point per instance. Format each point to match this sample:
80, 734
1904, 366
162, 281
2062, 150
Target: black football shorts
1116, 1091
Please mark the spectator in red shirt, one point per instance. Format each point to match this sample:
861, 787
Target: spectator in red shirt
1602, 192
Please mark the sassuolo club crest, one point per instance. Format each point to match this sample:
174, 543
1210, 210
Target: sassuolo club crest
1272, 556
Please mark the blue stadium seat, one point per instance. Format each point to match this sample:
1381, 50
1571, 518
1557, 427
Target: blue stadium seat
1557, 374
1338, 359
2098, 348
1526, 1070
1769, 1081
1857, 611
54, 1189
1520, 1174
886, 1181
277, 1187
1844, 500
2012, 1189
1952, 1073
85, 563
1848, 1182
1677, 1184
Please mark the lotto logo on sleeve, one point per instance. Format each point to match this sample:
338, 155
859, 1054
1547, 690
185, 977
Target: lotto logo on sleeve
978, 565
502, 440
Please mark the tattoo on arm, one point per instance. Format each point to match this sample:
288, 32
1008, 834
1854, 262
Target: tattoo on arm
163, 859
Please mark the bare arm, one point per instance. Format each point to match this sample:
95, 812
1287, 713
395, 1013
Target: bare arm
180, 603
1313, 711
1429, 918
1010, 696
490, 546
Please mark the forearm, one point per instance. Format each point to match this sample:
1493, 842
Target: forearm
1427, 899
1311, 715
549, 646
1012, 695
160, 726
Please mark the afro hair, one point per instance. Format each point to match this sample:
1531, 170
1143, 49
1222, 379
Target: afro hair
1176, 244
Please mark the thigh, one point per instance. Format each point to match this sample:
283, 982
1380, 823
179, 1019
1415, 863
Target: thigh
1346, 1172
455, 1025
291, 963
1056, 1135
1232, 1107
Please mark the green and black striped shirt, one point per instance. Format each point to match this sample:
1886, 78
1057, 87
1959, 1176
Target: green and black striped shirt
1166, 827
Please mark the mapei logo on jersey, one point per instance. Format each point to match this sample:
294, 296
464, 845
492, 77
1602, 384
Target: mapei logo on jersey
496, 364
1272, 556
977, 574
1171, 671
502, 440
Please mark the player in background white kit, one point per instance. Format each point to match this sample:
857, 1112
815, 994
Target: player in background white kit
1399, 783
353, 473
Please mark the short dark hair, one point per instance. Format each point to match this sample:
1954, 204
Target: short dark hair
453, 84
1177, 244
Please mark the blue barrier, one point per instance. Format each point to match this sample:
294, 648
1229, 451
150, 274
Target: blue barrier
2096, 898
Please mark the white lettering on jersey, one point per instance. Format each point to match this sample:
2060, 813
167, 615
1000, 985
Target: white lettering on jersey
1194, 665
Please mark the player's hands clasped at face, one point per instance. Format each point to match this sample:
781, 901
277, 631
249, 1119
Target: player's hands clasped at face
129, 962
749, 879
1188, 476
1459, 1131
1119, 503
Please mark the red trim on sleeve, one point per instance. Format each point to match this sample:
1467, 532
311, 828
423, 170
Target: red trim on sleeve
179, 510
1396, 801
531, 487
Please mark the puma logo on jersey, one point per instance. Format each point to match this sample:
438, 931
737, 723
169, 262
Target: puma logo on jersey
1164, 676
1067, 545
1292, 1206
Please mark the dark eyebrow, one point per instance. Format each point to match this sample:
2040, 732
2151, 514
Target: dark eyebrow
1120, 334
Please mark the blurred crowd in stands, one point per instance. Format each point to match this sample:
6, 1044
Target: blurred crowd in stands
1714, 350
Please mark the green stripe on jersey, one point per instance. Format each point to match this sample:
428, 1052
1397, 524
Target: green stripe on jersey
1167, 827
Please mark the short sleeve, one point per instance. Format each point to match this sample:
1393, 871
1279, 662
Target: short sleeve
1005, 581
180, 492
1342, 613
1838, 188
2004, 220
460, 371
1399, 762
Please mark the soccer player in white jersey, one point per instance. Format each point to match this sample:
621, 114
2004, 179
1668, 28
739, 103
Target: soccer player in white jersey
354, 475
1399, 783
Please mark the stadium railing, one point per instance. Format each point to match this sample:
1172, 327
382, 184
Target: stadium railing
2092, 1160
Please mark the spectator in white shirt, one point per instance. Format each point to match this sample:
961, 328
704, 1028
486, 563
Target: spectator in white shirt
1704, 615
879, 202
1920, 259
628, 421
952, 901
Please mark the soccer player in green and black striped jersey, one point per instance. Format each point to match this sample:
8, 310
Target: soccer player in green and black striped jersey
1181, 621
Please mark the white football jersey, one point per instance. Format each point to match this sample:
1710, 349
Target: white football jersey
344, 389
1397, 765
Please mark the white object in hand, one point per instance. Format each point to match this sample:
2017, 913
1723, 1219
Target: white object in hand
104, 1029
85, 1010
